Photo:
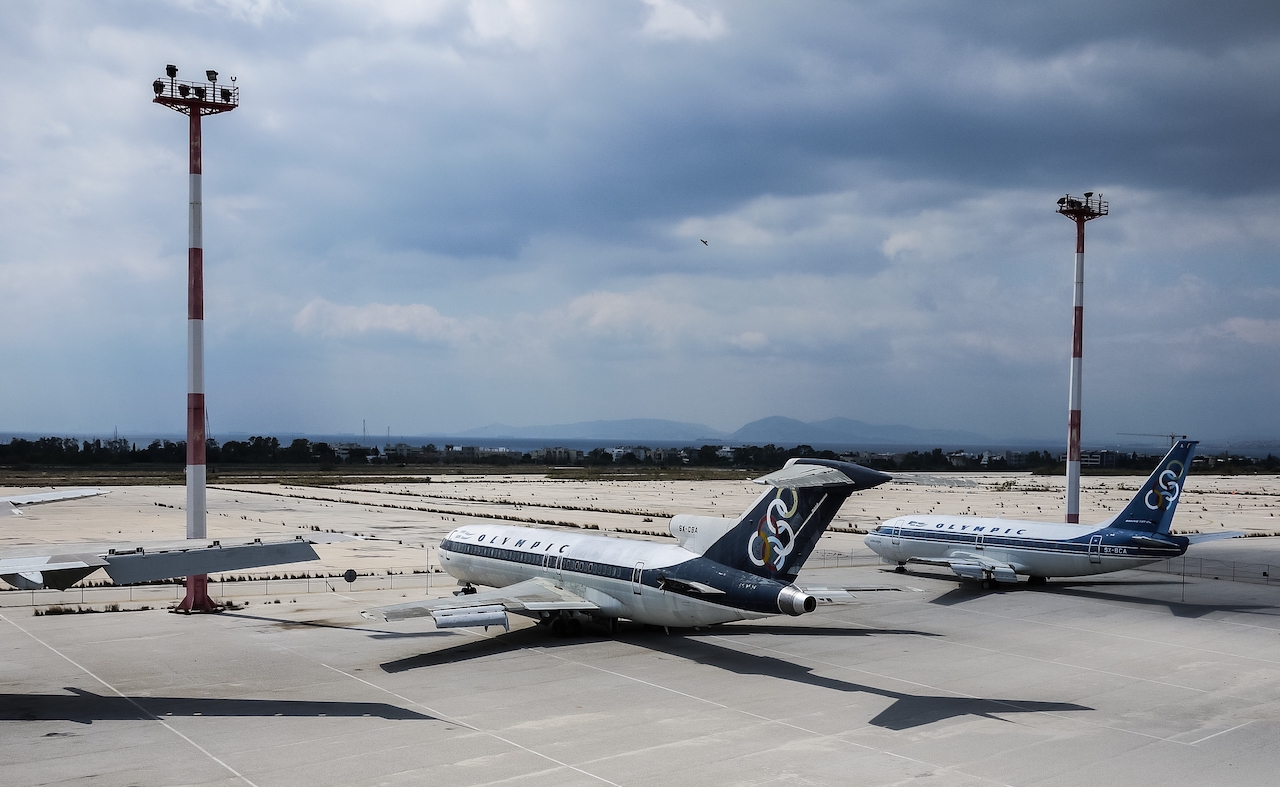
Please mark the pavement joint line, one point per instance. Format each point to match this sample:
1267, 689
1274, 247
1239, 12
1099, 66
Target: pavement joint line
450, 719
148, 714
1062, 716
1224, 732
815, 733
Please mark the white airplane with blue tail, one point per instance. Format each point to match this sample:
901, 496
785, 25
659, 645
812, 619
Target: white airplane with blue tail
993, 551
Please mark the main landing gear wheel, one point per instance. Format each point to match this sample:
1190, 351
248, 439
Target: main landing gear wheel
985, 584
1037, 580
566, 627
901, 569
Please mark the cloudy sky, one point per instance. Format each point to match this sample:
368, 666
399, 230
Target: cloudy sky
438, 215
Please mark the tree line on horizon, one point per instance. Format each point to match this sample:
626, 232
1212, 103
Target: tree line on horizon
20, 453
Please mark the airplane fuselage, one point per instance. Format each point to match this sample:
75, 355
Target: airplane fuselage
1038, 549
652, 583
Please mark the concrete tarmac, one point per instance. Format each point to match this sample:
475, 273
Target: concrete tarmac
1128, 679
1134, 678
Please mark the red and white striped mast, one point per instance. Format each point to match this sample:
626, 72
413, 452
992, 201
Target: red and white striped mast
1078, 210
195, 99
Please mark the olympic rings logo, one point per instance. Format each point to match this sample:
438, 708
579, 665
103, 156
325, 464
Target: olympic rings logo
1166, 488
774, 539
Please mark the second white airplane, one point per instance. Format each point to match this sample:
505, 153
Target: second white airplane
998, 550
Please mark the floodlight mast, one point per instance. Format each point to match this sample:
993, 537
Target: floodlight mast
1079, 210
194, 100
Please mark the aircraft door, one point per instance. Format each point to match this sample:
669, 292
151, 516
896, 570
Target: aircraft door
979, 541
1095, 549
553, 565
895, 536
636, 575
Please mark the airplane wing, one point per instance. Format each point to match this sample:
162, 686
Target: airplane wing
488, 608
62, 565
14, 502
971, 566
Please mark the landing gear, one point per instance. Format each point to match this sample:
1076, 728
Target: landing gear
1037, 580
985, 584
901, 569
566, 627
467, 590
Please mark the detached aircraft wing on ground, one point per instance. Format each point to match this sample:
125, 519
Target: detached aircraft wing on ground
14, 503
59, 566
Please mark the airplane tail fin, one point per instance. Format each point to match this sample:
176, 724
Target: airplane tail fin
777, 534
1151, 510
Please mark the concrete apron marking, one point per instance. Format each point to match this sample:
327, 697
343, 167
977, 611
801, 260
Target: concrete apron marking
790, 725
141, 710
448, 719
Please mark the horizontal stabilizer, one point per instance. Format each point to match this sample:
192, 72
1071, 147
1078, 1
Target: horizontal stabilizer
1200, 538
798, 476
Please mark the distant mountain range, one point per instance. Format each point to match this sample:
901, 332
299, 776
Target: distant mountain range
779, 430
632, 429
776, 429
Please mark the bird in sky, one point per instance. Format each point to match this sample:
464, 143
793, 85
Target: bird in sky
704, 243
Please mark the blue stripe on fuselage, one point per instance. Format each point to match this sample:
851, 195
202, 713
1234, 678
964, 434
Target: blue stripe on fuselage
741, 590
1111, 538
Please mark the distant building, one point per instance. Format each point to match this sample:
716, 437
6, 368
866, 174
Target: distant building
399, 450
1094, 458
558, 455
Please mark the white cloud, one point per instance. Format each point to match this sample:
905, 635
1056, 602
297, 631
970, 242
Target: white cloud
417, 320
671, 20
1250, 331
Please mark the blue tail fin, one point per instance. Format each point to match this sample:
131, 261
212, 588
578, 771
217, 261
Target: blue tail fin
1151, 510
776, 536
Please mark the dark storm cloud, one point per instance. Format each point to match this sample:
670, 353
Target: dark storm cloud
510, 195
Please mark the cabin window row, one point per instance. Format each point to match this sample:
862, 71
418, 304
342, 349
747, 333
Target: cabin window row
535, 559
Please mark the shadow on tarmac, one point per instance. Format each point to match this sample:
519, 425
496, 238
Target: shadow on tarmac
540, 637
906, 712
1085, 589
289, 624
85, 707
